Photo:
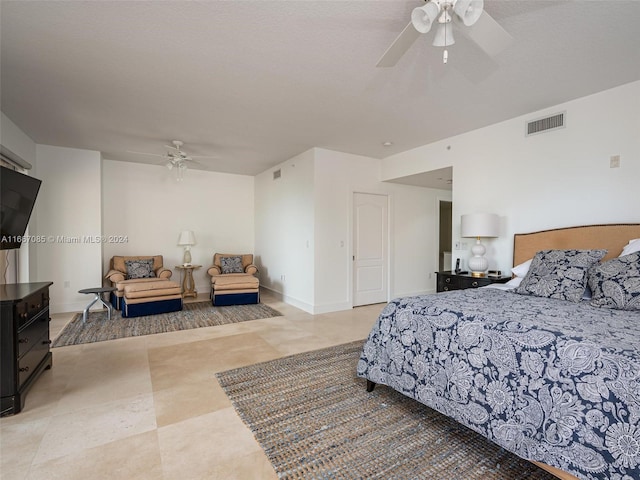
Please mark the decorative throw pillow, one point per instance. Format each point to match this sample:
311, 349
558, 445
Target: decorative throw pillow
559, 274
231, 265
140, 268
616, 283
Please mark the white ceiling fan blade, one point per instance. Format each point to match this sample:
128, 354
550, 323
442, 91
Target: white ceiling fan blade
146, 153
399, 46
487, 33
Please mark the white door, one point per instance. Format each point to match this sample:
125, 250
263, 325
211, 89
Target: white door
370, 250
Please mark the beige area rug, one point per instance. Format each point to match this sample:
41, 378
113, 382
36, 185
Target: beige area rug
193, 315
315, 420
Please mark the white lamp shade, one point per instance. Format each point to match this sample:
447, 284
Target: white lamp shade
423, 17
480, 225
186, 238
469, 11
444, 36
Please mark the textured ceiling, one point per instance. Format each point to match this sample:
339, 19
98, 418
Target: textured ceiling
254, 83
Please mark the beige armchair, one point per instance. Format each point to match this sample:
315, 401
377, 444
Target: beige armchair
233, 280
143, 269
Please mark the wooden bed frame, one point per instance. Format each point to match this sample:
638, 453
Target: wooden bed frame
612, 238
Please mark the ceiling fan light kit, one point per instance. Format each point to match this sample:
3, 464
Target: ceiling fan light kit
422, 18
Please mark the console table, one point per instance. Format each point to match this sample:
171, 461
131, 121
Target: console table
24, 341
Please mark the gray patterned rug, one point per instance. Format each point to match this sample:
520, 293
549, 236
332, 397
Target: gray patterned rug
193, 315
315, 420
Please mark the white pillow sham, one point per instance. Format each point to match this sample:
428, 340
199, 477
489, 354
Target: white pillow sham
632, 247
522, 269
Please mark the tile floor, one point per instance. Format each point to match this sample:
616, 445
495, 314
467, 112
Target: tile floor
151, 408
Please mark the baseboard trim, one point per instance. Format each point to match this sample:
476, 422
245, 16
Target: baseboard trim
291, 300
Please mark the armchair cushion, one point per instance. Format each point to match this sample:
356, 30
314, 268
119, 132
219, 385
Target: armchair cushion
219, 269
231, 264
117, 262
119, 272
140, 268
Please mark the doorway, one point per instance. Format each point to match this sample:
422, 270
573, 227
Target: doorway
444, 243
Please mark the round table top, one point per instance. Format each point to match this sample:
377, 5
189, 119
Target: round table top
98, 290
187, 267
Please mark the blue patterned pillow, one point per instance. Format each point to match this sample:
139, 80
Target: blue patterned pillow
140, 268
616, 283
231, 265
559, 274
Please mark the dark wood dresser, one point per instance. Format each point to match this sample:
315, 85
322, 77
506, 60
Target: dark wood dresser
24, 341
449, 280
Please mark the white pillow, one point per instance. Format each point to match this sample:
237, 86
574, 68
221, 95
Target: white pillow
522, 269
514, 282
632, 247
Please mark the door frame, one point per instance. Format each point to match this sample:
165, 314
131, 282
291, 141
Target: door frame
350, 259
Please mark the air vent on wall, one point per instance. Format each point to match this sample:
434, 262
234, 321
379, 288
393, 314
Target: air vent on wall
277, 174
545, 124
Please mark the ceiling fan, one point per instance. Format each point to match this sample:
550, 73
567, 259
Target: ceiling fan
468, 15
176, 158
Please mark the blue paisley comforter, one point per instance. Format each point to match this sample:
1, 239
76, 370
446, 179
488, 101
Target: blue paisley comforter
549, 380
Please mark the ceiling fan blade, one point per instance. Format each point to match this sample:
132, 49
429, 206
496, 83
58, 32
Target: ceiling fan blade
146, 153
488, 34
399, 46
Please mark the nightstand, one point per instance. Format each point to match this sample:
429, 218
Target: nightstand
449, 280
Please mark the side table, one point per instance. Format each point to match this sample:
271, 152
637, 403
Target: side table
98, 297
188, 285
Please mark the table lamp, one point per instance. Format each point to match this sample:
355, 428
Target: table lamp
479, 225
186, 240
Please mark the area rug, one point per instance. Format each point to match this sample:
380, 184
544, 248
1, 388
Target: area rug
315, 420
193, 315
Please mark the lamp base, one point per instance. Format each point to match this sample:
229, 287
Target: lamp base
187, 256
478, 274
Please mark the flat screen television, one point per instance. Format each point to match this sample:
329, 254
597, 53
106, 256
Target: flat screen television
18, 194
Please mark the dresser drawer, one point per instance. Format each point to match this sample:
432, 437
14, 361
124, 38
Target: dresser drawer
31, 333
30, 307
30, 361
472, 282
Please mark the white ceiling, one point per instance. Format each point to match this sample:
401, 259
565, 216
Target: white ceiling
254, 83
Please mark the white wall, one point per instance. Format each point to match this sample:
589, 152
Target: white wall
12, 137
284, 223
304, 222
413, 229
550, 180
68, 206
145, 204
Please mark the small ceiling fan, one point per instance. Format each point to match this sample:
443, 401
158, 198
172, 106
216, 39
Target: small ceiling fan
468, 15
176, 157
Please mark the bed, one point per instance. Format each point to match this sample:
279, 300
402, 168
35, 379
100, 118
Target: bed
537, 368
